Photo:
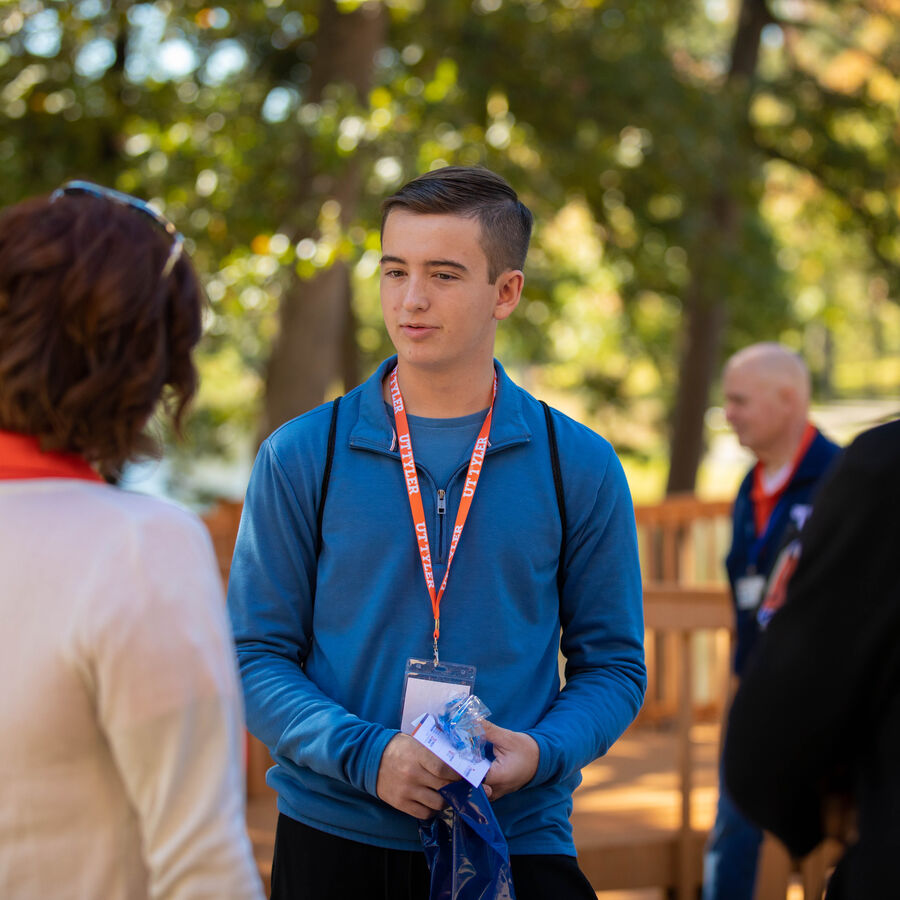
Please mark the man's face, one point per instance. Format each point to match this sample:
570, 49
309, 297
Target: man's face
440, 310
757, 406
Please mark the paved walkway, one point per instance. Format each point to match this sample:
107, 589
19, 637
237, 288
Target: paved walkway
635, 787
630, 799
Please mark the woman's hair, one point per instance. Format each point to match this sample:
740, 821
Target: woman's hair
92, 335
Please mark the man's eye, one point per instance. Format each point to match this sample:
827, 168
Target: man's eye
394, 273
445, 276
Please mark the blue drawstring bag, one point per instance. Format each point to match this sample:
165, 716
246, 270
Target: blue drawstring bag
465, 848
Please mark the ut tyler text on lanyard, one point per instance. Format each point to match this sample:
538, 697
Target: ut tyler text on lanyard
415, 497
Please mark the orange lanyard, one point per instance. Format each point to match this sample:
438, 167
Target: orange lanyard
764, 504
415, 496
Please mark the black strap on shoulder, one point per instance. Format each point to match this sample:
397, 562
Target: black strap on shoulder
326, 474
560, 493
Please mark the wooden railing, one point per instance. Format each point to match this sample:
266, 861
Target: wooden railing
688, 622
683, 543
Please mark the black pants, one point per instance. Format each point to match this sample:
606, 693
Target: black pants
312, 865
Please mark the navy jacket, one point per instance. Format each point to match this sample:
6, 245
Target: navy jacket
747, 555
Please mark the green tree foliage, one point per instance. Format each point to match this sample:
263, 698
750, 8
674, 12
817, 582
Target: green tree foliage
722, 166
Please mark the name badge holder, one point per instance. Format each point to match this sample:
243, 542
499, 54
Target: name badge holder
749, 590
428, 687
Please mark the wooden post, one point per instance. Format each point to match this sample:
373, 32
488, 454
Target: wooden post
686, 877
672, 684
258, 763
773, 871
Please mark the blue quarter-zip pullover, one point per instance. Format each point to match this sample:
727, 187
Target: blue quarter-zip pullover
323, 643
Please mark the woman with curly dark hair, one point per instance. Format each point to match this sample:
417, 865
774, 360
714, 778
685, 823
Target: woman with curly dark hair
120, 712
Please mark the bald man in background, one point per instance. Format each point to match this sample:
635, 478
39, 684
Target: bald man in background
767, 391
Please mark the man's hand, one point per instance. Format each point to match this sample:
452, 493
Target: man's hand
516, 758
409, 777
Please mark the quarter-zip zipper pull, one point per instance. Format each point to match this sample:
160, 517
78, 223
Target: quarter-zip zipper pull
441, 502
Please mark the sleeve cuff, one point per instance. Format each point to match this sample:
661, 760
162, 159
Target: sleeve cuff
544, 768
374, 761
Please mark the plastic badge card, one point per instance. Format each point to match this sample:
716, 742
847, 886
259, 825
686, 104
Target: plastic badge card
428, 733
429, 686
748, 591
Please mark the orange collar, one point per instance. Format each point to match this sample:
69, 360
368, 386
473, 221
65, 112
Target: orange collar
764, 504
21, 457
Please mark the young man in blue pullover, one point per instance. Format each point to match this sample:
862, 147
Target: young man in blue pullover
440, 535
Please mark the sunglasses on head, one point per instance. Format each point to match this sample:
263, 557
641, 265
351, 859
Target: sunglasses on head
97, 190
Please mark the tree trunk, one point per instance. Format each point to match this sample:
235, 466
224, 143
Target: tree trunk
316, 345
704, 324
705, 309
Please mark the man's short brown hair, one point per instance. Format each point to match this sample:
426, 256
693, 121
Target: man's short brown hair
91, 334
472, 192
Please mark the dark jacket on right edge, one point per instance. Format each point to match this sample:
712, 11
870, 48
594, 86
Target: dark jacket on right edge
818, 710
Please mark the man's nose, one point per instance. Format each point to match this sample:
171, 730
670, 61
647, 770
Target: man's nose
416, 295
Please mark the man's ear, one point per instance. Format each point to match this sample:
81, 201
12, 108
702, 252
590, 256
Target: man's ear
509, 291
787, 396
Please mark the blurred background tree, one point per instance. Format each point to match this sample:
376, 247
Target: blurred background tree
703, 174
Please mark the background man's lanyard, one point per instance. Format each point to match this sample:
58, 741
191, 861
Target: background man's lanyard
763, 530
758, 544
415, 497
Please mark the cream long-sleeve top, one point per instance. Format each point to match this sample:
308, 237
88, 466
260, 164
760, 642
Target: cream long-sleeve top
121, 722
